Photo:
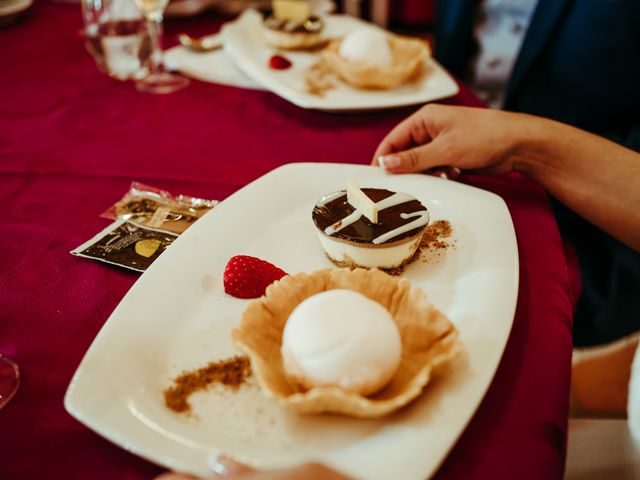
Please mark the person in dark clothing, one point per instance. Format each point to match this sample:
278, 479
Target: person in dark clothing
577, 64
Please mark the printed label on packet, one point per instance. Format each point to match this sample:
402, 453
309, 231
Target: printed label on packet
126, 244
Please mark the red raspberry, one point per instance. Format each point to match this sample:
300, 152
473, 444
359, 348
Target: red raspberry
278, 62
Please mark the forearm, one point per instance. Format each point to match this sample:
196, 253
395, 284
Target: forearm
594, 177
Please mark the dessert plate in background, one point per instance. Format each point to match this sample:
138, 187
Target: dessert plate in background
177, 317
244, 43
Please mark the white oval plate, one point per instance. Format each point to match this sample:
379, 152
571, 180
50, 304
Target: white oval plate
177, 317
245, 45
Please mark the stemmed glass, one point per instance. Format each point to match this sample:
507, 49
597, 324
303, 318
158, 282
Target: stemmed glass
158, 80
9, 379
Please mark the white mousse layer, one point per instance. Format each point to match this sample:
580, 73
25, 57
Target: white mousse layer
378, 256
342, 338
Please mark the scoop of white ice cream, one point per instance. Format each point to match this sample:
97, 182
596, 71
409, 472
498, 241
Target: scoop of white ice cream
340, 337
367, 46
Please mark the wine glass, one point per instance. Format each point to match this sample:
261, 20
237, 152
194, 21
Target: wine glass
9, 379
158, 80
116, 35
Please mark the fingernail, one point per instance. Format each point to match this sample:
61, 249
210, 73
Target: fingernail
389, 161
216, 465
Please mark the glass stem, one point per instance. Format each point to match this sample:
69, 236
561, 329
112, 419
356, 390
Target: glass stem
154, 24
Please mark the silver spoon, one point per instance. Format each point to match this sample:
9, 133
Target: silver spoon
202, 45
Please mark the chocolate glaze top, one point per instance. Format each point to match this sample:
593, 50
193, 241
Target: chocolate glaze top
328, 213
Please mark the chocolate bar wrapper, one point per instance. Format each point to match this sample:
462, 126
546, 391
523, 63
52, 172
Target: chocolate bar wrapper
155, 208
126, 244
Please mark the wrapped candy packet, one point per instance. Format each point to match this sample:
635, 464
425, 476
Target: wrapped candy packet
126, 244
155, 208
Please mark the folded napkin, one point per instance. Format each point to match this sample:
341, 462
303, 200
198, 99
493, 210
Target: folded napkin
212, 67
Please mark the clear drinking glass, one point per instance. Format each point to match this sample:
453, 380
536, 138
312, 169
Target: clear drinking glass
9, 379
116, 35
158, 79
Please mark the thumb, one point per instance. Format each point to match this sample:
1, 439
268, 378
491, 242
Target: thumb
415, 159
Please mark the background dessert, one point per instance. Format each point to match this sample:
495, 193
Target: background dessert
373, 58
352, 240
291, 25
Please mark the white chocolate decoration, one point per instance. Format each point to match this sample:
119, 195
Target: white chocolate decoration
363, 204
422, 219
293, 10
341, 338
343, 223
422, 216
329, 198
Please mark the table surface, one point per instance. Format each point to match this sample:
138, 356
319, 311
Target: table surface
71, 142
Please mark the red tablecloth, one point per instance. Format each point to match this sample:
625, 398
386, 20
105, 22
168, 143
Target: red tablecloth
71, 141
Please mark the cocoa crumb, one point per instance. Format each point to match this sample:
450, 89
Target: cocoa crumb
319, 79
231, 372
435, 233
400, 269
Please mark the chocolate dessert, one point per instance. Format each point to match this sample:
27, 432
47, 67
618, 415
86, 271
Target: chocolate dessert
351, 239
292, 26
312, 24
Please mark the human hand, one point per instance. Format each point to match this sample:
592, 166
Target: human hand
460, 137
224, 467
